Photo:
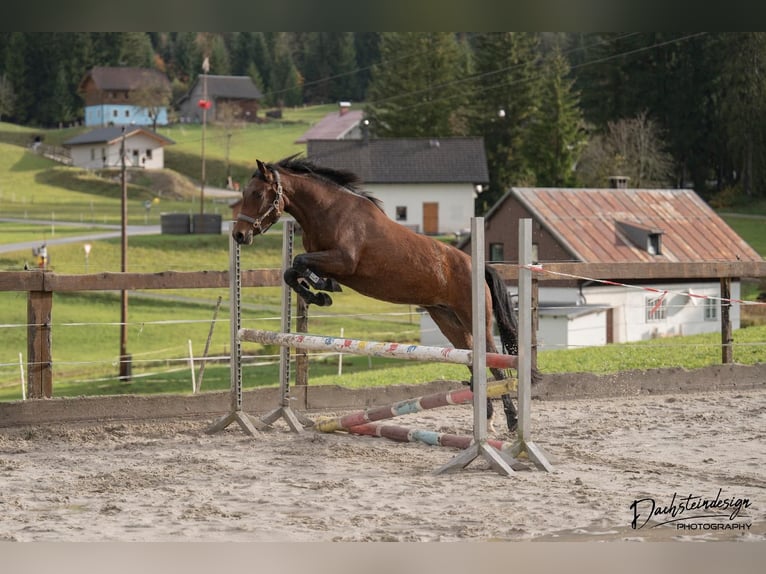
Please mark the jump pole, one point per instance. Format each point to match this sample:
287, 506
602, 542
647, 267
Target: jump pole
500, 461
405, 434
523, 443
374, 348
435, 400
249, 424
296, 421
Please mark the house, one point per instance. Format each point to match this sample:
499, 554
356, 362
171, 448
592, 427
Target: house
345, 124
618, 226
100, 148
236, 95
426, 184
125, 96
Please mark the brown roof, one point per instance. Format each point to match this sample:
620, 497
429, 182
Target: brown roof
125, 78
595, 224
333, 126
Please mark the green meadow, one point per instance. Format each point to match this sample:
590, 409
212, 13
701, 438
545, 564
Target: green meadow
54, 201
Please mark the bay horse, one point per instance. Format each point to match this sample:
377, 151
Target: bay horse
349, 240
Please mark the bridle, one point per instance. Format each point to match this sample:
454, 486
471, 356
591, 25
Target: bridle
257, 222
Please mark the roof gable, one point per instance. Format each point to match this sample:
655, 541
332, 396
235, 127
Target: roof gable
112, 134
415, 160
229, 87
334, 125
599, 225
125, 78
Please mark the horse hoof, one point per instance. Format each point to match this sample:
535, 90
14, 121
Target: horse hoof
322, 299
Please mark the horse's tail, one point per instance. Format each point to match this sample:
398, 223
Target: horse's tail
505, 317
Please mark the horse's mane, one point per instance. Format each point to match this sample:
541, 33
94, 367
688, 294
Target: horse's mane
346, 179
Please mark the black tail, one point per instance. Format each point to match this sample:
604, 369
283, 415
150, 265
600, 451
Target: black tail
505, 317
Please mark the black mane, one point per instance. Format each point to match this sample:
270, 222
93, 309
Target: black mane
345, 179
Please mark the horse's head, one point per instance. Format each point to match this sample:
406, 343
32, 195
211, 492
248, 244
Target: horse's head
262, 204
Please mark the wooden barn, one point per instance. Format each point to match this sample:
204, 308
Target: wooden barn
237, 96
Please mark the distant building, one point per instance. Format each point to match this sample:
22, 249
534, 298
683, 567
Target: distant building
611, 226
426, 184
236, 93
100, 148
345, 124
125, 96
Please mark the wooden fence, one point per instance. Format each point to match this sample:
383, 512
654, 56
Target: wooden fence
41, 285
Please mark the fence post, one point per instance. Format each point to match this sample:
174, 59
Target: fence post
39, 362
726, 336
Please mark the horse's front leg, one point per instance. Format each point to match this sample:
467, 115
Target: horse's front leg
299, 284
316, 270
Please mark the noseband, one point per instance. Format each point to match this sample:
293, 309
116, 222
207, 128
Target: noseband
257, 222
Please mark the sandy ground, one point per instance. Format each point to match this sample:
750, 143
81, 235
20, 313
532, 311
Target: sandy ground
161, 481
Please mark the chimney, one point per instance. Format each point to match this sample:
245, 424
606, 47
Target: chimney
343, 108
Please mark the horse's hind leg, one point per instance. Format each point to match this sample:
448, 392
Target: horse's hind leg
460, 336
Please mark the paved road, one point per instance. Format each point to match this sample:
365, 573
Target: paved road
107, 232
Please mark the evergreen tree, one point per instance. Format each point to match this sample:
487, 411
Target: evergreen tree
414, 90
7, 97
285, 81
502, 107
136, 50
367, 50
330, 61
14, 68
557, 132
743, 107
219, 56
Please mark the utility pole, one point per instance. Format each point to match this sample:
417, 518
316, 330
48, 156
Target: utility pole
204, 104
125, 367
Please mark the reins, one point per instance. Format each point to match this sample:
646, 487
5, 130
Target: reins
257, 222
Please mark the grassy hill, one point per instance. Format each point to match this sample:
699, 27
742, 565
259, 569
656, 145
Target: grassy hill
163, 323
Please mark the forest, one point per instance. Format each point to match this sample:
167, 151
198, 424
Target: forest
685, 109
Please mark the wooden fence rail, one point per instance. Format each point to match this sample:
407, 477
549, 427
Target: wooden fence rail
40, 286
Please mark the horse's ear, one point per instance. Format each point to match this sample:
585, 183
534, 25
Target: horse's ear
265, 172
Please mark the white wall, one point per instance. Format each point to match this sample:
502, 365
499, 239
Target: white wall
99, 156
455, 203
684, 317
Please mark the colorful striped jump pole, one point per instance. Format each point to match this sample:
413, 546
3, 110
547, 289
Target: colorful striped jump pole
404, 434
432, 401
374, 348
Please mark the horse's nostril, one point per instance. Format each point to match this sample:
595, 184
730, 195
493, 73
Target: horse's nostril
239, 237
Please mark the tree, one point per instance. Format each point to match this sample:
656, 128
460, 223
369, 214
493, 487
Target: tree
502, 107
743, 107
557, 133
285, 81
330, 60
153, 96
136, 50
7, 97
630, 147
414, 90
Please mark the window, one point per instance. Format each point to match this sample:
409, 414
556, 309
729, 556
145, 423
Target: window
401, 213
656, 309
92, 154
711, 310
148, 153
496, 252
127, 113
114, 113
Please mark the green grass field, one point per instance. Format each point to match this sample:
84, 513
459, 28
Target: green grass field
163, 322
